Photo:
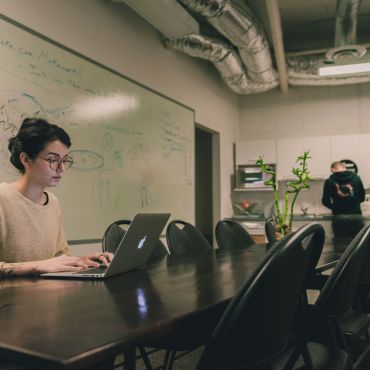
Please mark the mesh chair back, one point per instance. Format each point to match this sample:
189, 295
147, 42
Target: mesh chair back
230, 234
185, 239
255, 326
114, 234
317, 241
337, 294
364, 277
270, 230
159, 252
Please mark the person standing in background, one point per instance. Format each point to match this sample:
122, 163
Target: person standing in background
343, 194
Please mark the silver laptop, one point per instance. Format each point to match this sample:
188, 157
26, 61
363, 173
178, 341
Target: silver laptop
133, 250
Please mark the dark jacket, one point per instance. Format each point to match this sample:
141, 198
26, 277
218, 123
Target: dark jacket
343, 193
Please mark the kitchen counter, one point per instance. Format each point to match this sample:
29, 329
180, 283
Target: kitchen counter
255, 224
307, 218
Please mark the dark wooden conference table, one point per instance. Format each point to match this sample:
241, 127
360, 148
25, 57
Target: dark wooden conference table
73, 324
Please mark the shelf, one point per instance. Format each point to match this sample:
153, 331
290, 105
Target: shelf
253, 189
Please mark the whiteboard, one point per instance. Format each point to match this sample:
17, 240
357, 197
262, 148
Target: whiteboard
133, 149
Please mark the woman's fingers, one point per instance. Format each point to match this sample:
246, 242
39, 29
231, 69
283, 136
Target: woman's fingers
105, 258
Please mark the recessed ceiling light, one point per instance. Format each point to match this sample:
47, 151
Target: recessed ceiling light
345, 69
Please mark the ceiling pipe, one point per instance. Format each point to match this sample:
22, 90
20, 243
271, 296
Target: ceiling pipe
278, 43
346, 46
225, 59
346, 22
240, 27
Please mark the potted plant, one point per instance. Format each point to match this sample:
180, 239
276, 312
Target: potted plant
284, 217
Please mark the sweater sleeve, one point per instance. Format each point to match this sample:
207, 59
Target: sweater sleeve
326, 197
62, 246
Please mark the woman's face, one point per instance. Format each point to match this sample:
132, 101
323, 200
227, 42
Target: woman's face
39, 170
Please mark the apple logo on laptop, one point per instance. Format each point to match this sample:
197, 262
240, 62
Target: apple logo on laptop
141, 243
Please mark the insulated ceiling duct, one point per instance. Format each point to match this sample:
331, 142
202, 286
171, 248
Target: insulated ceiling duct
303, 70
242, 53
346, 32
257, 74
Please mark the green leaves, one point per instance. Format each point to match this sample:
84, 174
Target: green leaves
302, 181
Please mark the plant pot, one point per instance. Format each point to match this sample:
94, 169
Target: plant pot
282, 231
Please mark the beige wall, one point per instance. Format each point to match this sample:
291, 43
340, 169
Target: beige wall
115, 36
306, 111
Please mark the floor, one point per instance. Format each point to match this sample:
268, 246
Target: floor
187, 362
190, 360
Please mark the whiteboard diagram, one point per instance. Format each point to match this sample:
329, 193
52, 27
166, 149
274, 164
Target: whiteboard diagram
133, 149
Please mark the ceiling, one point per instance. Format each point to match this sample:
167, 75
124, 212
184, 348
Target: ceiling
310, 24
303, 29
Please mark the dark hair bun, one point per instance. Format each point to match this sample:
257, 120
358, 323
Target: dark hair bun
33, 135
15, 148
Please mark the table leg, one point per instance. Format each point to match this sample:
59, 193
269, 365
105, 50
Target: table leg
129, 359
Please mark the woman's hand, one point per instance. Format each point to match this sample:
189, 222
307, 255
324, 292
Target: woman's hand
61, 263
98, 258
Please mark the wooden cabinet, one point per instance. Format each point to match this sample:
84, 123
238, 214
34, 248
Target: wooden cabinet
289, 149
323, 149
319, 164
287, 153
364, 161
248, 151
256, 229
356, 148
345, 147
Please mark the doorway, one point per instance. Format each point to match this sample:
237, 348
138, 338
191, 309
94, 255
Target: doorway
207, 175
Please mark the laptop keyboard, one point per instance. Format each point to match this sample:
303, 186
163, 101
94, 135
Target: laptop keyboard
98, 270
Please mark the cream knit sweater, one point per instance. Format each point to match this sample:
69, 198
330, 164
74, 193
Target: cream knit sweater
29, 231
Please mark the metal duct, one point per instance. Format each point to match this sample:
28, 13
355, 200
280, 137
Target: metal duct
224, 58
302, 71
346, 32
241, 28
346, 22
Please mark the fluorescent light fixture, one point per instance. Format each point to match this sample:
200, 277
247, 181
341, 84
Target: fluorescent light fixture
344, 69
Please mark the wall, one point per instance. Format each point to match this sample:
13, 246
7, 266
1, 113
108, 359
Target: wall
304, 111
115, 36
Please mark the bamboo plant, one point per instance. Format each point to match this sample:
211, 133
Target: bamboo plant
284, 217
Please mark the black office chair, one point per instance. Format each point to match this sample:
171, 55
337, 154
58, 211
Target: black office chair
185, 239
111, 239
270, 230
332, 319
254, 330
362, 298
230, 234
114, 234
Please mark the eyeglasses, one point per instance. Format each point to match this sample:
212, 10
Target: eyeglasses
55, 162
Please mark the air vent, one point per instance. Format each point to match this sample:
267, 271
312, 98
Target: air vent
346, 52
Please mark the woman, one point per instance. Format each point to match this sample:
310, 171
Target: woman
32, 239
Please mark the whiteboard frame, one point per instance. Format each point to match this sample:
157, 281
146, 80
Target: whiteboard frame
116, 73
